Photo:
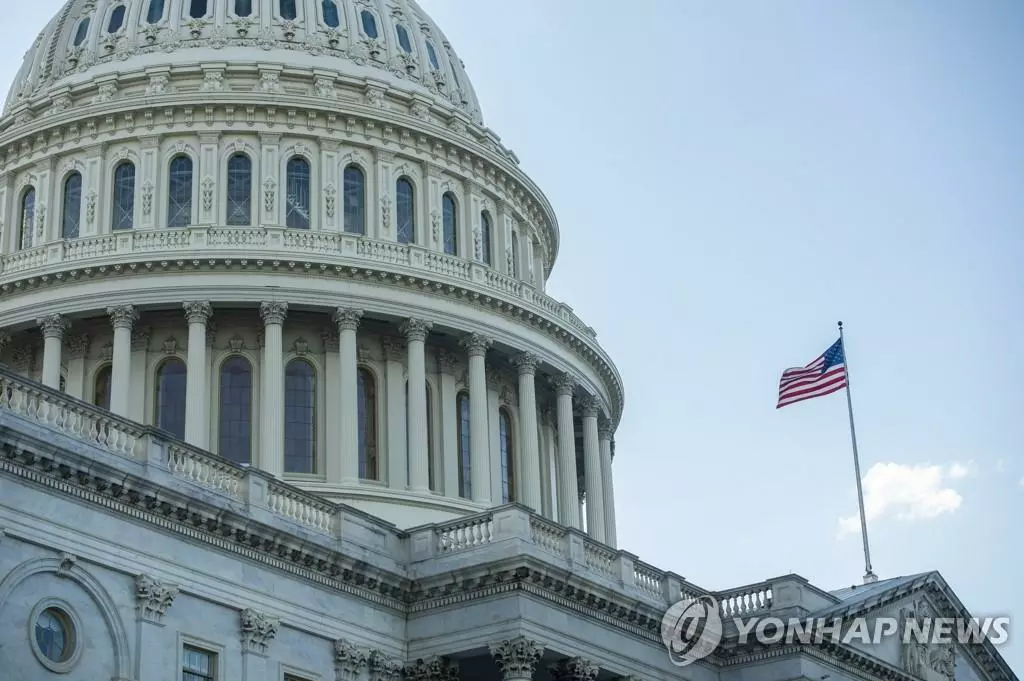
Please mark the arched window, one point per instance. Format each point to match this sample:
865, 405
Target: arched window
299, 417
515, 255
297, 193
156, 11
403, 38
367, 397
239, 190
462, 437
485, 236
406, 211
243, 8
82, 32
355, 200
288, 12
451, 238
179, 192
116, 19
71, 216
331, 16
101, 388
432, 56
235, 413
170, 397
123, 213
197, 9
508, 469
369, 24
455, 75
28, 217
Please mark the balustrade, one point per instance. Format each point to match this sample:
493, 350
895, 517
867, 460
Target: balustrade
466, 533
745, 600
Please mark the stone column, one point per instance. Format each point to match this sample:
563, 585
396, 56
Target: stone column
575, 669
272, 404
415, 332
568, 491
78, 348
197, 381
479, 464
446, 363
604, 436
54, 327
517, 658
547, 443
152, 600
122, 318
494, 385
530, 487
332, 405
592, 469
397, 462
348, 321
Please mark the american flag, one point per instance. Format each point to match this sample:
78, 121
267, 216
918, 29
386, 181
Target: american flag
823, 376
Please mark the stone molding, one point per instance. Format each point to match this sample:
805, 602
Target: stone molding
153, 598
516, 658
258, 630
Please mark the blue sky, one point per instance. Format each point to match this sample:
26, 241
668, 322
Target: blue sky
731, 178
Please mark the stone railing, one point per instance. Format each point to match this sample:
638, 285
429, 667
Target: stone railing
745, 600
302, 507
465, 533
204, 470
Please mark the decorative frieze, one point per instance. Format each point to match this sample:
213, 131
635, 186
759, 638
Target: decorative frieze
153, 598
258, 630
516, 658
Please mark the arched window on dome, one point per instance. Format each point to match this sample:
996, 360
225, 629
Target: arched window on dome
430, 433
515, 254
297, 193
116, 19
462, 438
405, 212
101, 387
170, 397
369, 24
299, 417
332, 18
403, 38
288, 10
234, 416
71, 214
485, 236
179, 192
123, 213
243, 8
505, 447
449, 224
354, 199
239, 191
369, 468
197, 9
28, 217
82, 32
432, 56
156, 11
455, 75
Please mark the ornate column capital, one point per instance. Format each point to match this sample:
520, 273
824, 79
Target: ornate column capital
575, 669
526, 363
383, 667
123, 316
347, 318
348, 660
432, 669
565, 384
273, 312
197, 311
605, 430
53, 326
517, 658
591, 406
153, 598
447, 361
415, 329
258, 630
476, 344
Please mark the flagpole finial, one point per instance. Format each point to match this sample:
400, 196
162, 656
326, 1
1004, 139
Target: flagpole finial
840, 325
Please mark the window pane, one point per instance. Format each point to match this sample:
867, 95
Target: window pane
170, 397
355, 200
72, 210
405, 212
116, 19
243, 8
101, 389
235, 431
331, 17
156, 11
451, 245
403, 38
432, 56
515, 255
368, 469
297, 191
485, 236
179, 192
465, 479
28, 218
299, 417
507, 467
198, 665
288, 9
124, 197
369, 24
239, 190
83, 32
197, 10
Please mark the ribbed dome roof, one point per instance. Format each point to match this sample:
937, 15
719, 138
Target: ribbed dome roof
392, 41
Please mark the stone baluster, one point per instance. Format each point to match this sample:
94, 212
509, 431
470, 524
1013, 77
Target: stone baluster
415, 332
348, 351
197, 404
54, 327
568, 489
574, 669
604, 436
272, 407
479, 450
122, 317
516, 658
592, 469
530, 489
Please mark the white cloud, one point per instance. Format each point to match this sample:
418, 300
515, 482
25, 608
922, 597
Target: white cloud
908, 493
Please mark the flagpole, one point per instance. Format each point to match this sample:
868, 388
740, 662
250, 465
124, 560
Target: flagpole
869, 575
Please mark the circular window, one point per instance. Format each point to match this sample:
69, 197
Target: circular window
53, 633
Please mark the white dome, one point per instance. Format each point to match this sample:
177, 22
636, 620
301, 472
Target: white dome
394, 42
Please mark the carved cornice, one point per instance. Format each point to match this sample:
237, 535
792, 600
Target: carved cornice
123, 316
54, 326
258, 630
197, 311
153, 598
415, 330
476, 344
347, 319
273, 312
517, 658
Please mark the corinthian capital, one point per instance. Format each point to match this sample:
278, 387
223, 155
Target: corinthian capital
432, 669
476, 344
197, 311
383, 667
347, 318
53, 326
517, 658
122, 316
526, 363
258, 630
153, 597
591, 406
605, 430
565, 384
273, 312
348, 660
575, 669
415, 330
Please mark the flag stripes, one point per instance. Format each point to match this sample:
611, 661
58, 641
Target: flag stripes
823, 376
